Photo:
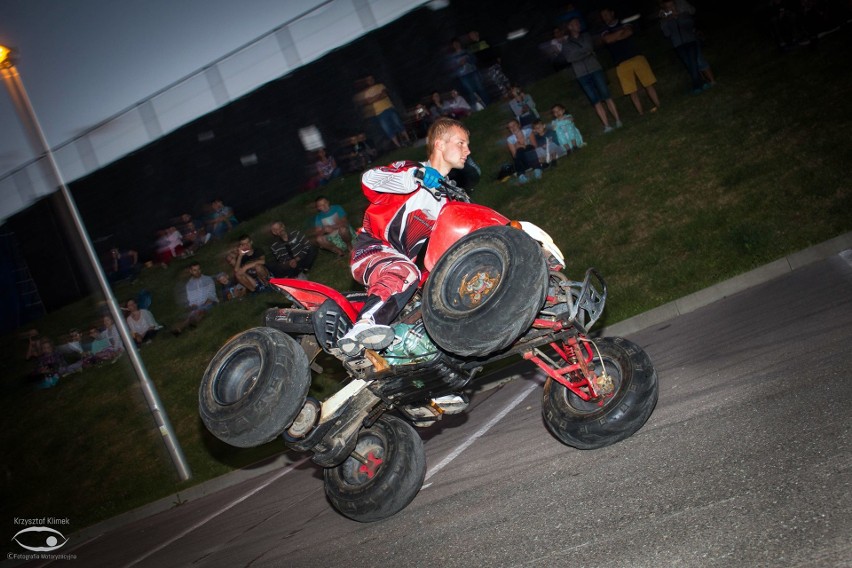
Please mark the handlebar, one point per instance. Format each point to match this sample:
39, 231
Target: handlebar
448, 188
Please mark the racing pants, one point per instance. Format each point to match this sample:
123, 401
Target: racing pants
391, 278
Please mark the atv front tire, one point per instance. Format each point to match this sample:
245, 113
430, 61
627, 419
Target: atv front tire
591, 424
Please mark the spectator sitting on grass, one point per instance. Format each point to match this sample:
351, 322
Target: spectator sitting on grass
567, 133
110, 333
331, 227
230, 288
250, 268
327, 168
547, 148
200, 297
122, 265
73, 346
294, 253
50, 365
142, 324
97, 348
521, 143
221, 219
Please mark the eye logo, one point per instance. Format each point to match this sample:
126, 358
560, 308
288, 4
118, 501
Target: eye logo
50, 540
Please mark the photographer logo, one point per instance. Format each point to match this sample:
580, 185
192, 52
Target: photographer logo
52, 538
39, 540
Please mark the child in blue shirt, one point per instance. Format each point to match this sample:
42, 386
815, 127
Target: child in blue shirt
567, 133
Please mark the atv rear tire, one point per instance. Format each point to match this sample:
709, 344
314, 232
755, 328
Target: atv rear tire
389, 480
485, 291
586, 424
254, 387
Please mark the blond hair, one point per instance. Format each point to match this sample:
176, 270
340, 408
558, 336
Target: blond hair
441, 129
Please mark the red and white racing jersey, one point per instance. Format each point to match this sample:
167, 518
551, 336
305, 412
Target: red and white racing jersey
401, 211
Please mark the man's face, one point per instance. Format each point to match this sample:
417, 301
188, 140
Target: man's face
277, 229
195, 271
245, 246
574, 27
455, 147
323, 205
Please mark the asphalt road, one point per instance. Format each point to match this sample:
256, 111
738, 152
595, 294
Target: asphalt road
746, 461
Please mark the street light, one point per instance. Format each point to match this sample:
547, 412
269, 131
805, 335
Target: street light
39, 143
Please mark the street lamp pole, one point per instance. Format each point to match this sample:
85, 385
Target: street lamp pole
28, 117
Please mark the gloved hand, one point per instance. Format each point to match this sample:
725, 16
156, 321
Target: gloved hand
431, 178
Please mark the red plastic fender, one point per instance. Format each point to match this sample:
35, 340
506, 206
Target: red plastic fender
456, 220
312, 294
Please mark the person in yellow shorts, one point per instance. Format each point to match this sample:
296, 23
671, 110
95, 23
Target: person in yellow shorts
631, 65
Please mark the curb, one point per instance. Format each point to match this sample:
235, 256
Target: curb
730, 287
634, 324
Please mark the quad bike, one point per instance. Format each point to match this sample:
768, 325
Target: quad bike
492, 288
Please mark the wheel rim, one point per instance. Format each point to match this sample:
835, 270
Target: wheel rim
472, 281
238, 377
592, 406
371, 448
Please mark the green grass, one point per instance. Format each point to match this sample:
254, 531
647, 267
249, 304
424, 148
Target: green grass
709, 187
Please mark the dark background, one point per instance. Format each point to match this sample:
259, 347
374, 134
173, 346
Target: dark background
126, 202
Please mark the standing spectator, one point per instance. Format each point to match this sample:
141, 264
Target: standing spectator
490, 63
250, 268
685, 7
331, 227
521, 144
630, 64
122, 264
327, 169
221, 219
523, 107
580, 53
463, 66
679, 27
294, 253
376, 106
200, 298
141, 322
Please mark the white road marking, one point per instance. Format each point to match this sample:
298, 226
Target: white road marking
215, 514
479, 433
